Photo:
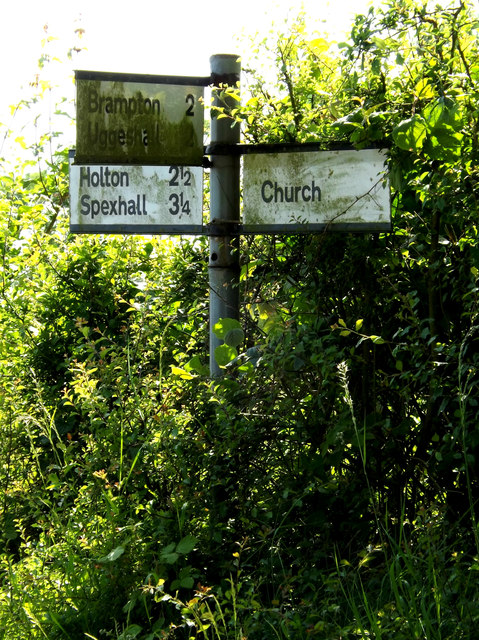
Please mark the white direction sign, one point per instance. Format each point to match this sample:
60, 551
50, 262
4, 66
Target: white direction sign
309, 191
136, 199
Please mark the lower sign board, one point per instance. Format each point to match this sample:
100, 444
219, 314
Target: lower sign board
136, 199
310, 191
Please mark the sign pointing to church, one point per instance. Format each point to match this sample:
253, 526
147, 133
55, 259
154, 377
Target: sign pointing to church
310, 191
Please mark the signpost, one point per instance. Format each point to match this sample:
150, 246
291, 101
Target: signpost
139, 119
224, 264
136, 199
138, 162
347, 190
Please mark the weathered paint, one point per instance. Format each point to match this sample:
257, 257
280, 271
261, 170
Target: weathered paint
136, 199
138, 122
309, 191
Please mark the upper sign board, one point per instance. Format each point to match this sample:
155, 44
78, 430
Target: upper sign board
139, 119
136, 199
343, 190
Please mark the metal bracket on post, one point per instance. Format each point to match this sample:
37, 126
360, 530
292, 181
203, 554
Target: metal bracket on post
223, 264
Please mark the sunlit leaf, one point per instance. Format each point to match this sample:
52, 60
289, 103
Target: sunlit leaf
424, 90
411, 134
224, 354
224, 325
182, 373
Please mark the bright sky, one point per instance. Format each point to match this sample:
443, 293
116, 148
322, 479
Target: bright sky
174, 37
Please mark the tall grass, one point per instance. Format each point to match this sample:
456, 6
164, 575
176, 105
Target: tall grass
418, 583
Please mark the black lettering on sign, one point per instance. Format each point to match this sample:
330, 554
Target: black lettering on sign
190, 99
179, 204
118, 207
175, 199
180, 177
185, 206
176, 172
179, 174
305, 193
124, 106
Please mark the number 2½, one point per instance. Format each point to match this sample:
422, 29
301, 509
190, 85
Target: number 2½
190, 100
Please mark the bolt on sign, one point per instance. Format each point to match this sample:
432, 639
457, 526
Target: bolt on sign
310, 191
135, 199
139, 119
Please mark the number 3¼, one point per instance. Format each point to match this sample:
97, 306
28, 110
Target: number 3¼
179, 204
190, 101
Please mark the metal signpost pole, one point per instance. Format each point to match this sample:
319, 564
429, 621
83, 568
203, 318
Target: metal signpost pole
224, 203
137, 168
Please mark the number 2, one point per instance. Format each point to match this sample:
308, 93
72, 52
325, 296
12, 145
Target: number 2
174, 180
190, 99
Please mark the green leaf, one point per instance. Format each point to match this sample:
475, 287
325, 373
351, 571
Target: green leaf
224, 354
447, 138
319, 45
424, 90
349, 123
169, 558
130, 632
182, 373
224, 325
113, 555
377, 339
186, 544
197, 366
168, 555
187, 583
298, 363
234, 337
410, 134
443, 112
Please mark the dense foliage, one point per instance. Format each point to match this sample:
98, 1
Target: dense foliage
327, 485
